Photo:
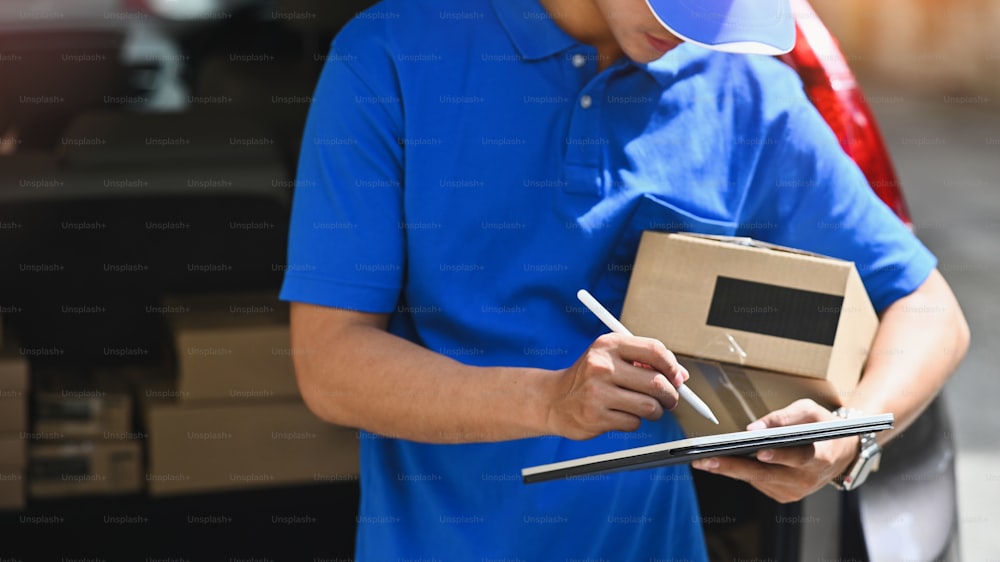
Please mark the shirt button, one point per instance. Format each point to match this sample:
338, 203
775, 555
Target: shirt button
579, 60
586, 101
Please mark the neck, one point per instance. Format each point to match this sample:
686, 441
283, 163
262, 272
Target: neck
583, 21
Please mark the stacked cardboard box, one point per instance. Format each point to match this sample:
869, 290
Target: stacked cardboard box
13, 426
83, 441
202, 447
12, 472
73, 467
233, 347
13, 392
72, 405
757, 326
232, 418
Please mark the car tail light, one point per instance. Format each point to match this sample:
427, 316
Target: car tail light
831, 86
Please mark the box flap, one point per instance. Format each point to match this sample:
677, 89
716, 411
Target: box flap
753, 243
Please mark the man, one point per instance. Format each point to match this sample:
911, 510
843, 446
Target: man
467, 166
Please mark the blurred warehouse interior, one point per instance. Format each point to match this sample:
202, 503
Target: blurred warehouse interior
147, 154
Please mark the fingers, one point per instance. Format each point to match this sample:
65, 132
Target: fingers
608, 387
800, 411
638, 405
647, 367
791, 457
646, 382
781, 483
787, 474
747, 470
593, 408
651, 352
648, 351
794, 457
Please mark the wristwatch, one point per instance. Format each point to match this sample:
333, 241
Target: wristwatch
869, 456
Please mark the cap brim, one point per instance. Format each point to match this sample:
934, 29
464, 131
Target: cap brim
762, 27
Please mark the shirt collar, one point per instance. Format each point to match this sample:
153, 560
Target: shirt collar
534, 34
666, 68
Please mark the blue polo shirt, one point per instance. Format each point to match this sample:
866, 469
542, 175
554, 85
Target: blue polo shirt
466, 169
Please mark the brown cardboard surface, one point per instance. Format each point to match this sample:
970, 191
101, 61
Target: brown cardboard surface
13, 392
13, 410
739, 395
225, 310
73, 404
12, 489
204, 447
743, 308
232, 347
241, 362
13, 451
86, 467
13, 372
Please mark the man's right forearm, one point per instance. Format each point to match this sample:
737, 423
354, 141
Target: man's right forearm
352, 372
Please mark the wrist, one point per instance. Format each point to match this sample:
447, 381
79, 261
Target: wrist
517, 399
543, 408
859, 459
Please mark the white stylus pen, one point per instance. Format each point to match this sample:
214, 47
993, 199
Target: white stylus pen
614, 325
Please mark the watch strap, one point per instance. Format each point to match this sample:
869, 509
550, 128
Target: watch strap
867, 448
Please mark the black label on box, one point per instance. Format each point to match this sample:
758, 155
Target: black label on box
773, 310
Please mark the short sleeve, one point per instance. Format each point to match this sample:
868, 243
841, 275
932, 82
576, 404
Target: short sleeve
345, 245
811, 195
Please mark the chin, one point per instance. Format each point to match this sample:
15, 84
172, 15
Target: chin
647, 57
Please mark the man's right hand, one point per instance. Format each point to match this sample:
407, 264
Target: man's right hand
619, 381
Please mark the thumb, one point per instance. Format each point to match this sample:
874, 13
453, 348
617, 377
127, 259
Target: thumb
800, 411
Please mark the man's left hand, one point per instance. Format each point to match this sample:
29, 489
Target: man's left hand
791, 473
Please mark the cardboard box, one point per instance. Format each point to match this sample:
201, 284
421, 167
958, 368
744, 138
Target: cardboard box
73, 404
208, 447
86, 467
12, 493
82, 414
232, 347
14, 386
140, 382
13, 393
13, 462
757, 326
13, 451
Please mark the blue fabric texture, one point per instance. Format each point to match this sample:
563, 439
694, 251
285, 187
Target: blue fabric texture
466, 169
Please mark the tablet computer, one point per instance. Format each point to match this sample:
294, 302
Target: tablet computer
724, 444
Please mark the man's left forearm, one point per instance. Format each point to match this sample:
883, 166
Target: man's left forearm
921, 340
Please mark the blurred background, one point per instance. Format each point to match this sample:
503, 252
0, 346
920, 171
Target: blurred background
147, 152
919, 46
931, 73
